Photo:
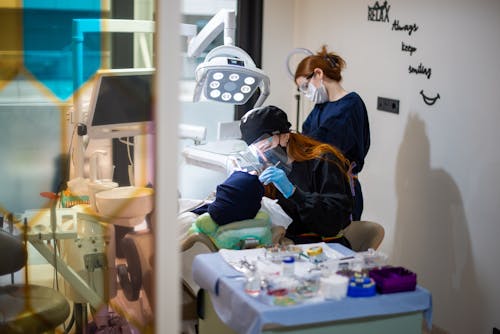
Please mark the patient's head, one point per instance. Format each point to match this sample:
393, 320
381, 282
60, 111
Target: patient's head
269, 120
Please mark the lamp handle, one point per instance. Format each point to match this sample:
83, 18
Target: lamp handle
229, 51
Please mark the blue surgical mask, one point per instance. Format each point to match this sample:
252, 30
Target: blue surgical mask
317, 95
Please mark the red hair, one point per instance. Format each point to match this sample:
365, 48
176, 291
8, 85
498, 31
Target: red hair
330, 63
302, 148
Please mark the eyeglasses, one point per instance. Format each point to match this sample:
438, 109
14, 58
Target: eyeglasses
305, 85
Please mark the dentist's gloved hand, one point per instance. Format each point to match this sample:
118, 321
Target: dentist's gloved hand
279, 179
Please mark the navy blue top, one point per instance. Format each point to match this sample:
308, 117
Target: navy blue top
237, 198
343, 124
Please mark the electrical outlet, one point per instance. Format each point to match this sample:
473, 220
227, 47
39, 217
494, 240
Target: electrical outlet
386, 104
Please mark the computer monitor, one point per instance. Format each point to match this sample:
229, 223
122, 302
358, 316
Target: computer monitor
121, 104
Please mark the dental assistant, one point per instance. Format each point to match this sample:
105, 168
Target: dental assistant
311, 183
339, 117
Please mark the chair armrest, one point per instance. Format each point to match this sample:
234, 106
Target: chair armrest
191, 239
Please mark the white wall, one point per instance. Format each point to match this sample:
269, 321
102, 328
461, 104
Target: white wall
277, 41
431, 176
167, 259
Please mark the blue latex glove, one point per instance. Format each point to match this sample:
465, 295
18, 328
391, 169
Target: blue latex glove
279, 179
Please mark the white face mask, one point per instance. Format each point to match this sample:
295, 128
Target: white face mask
317, 95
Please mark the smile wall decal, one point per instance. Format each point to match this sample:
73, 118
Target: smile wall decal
429, 100
380, 13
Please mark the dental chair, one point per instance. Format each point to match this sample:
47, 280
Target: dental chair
26, 308
205, 239
136, 273
364, 234
191, 246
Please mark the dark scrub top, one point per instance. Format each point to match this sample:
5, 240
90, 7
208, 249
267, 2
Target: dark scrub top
322, 202
343, 124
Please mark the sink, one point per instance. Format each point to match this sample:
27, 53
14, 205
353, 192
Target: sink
125, 206
95, 187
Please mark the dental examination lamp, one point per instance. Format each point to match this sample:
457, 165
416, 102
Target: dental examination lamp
227, 74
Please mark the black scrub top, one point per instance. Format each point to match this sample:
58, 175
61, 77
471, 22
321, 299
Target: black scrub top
322, 201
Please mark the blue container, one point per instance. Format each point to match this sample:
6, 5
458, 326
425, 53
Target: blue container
361, 286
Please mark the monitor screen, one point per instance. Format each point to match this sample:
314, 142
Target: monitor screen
121, 104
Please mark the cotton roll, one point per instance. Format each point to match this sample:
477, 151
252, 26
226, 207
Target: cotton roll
334, 286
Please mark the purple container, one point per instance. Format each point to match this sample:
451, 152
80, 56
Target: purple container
393, 279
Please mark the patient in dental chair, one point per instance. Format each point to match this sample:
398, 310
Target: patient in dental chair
237, 198
238, 214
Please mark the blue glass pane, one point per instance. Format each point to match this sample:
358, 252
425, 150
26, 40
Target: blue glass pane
31, 150
47, 34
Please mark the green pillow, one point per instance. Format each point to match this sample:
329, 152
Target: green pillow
206, 224
231, 235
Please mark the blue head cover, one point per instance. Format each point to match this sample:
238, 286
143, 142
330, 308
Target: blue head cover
238, 198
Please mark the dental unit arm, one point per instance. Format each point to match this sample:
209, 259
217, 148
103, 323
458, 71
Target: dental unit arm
224, 20
227, 74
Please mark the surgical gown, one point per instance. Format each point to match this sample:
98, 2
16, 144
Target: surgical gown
343, 124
